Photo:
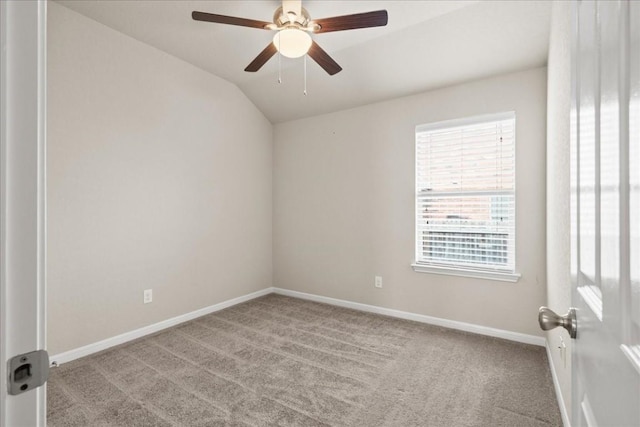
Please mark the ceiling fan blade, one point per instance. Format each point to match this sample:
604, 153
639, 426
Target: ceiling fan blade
262, 58
231, 20
323, 59
378, 18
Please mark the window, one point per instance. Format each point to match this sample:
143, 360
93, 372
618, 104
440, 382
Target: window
465, 197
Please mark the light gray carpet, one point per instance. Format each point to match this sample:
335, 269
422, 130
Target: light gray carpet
283, 361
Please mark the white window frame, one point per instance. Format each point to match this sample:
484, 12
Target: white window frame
463, 270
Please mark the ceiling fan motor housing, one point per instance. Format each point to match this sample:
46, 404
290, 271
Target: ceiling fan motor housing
282, 19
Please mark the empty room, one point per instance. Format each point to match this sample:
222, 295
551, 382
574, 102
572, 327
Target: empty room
320, 213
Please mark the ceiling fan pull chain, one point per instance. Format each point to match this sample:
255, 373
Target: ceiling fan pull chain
305, 75
279, 63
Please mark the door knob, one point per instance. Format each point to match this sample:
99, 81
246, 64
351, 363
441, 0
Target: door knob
548, 320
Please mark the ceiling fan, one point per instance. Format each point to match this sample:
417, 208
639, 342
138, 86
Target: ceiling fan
294, 26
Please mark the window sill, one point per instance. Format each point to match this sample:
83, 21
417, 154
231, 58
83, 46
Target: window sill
476, 274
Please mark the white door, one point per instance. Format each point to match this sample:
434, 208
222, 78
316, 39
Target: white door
605, 215
22, 225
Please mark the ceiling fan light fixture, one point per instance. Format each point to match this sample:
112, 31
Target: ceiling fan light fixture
292, 42
294, 25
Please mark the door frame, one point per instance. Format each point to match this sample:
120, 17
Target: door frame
22, 199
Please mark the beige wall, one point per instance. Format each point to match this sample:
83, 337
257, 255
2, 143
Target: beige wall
344, 205
159, 176
558, 243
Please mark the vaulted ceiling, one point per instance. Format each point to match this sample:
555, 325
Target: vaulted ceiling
427, 44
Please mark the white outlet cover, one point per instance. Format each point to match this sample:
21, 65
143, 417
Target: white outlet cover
378, 282
148, 296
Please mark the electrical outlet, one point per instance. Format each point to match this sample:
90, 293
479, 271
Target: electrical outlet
148, 296
378, 282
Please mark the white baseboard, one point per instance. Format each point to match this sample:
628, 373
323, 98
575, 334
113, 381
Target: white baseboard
86, 350
564, 412
70, 355
452, 324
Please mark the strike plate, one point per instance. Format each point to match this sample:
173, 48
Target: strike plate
27, 371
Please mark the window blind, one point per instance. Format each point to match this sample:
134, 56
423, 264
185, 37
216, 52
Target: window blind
465, 193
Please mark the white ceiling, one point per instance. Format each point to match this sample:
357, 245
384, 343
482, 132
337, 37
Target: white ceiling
427, 44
